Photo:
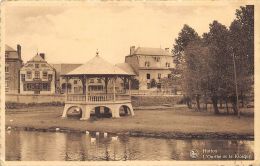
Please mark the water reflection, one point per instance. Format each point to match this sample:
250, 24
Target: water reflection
35, 146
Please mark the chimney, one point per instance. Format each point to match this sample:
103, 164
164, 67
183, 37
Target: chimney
42, 55
167, 49
132, 50
19, 51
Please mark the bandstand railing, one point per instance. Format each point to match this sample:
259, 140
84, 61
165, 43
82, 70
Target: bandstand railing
97, 97
76, 97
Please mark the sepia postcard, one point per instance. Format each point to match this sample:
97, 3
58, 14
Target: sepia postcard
130, 82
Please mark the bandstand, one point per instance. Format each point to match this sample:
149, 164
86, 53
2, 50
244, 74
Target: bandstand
110, 100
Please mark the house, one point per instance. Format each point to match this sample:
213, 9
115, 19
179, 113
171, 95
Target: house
37, 76
13, 63
74, 84
150, 65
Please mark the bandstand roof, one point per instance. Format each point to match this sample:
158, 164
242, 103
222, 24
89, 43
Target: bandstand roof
98, 66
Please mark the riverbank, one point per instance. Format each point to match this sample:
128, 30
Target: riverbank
178, 122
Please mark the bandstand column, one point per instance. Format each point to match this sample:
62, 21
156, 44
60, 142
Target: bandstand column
129, 86
67, 80
114, 88
86, 80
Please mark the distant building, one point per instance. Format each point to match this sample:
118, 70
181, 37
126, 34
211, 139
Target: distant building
74, 84
13, 63
37, 76
150, 65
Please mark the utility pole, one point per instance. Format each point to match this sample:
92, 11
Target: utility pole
235, 74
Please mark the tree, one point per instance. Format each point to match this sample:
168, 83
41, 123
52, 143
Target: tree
241, 40
245, 19
219, 63
153, 83
196, 70
186, 36
134, 84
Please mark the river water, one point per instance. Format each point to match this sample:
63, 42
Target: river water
57, 146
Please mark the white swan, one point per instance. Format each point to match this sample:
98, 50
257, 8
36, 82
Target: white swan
9, 128
93, 140
115, 138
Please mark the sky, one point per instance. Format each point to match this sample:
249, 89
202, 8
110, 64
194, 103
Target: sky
72, 32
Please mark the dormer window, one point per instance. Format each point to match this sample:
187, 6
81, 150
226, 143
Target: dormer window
37, 66
147, 64
167, 64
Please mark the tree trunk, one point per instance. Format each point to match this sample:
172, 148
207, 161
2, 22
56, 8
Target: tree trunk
198, 102
242, 99
234, 104
227, 105
215, 104
188, 102
220, 103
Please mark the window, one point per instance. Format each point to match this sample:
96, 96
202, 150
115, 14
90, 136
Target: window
6, 85
167, 64
37, 75
6, 69
36, 65
147, 64
46, 86
75, 82
29, 74
169, 76
148, 76
6, 54
23, 77
148, 85
159, 75
44, 74
99, 80
91, 80
50, 77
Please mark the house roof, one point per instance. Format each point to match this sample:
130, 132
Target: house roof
151, 51
8, 48
98, 66
37, 58
126, 67
62, 68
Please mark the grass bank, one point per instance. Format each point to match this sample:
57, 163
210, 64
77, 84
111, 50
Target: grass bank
176, 122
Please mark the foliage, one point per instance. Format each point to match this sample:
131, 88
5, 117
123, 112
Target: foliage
206, 65
153, 83
186, 35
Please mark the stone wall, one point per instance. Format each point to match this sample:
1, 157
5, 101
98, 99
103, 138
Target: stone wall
136, 100
30, 98
155, 100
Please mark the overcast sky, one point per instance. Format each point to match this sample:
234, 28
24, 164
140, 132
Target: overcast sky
72, 33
